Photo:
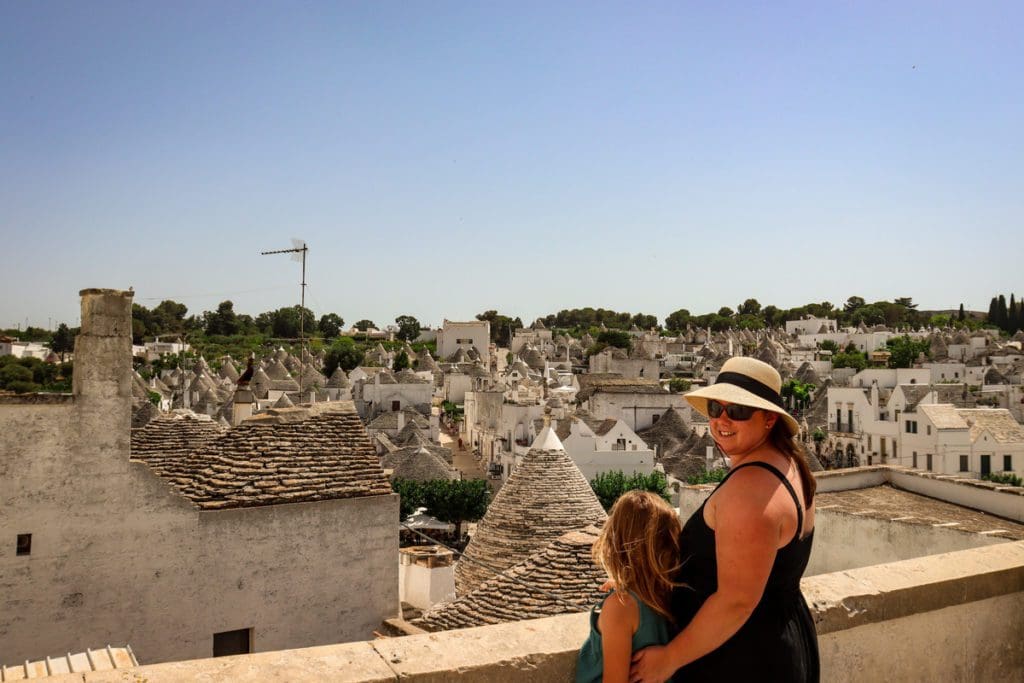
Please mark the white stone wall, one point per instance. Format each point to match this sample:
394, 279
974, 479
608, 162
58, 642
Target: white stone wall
475, 333
119, 557
636, 410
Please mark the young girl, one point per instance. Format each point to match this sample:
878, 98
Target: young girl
639, 549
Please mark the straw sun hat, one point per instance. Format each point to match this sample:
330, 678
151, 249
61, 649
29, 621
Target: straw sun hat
748, 382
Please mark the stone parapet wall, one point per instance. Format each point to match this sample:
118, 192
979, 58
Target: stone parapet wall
953, 617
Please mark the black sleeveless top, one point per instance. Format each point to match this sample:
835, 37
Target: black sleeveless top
778, 641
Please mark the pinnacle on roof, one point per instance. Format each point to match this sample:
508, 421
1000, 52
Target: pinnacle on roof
545, 497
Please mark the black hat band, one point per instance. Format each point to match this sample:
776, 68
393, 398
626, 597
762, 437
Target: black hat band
758, 389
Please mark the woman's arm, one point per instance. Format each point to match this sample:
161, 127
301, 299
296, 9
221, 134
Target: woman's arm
618, 621
747, 531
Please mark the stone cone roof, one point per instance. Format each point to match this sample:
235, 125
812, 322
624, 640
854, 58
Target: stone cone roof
338, 380
545, 497
418, 464
277, 371
563, 569
260, 384
284, 402
805, 373
228, 371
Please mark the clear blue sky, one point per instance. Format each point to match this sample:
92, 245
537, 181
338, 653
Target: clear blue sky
446, 158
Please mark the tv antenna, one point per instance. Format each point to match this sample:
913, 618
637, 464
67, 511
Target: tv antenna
298, 252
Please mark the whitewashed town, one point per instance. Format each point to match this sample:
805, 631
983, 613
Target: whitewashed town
405, 501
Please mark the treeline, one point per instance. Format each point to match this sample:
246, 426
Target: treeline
171, 318
1007, 317
751, 315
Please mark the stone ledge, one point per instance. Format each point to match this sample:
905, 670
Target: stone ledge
878, 597
883, 592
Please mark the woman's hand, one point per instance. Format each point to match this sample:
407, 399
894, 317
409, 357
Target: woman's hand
651, 665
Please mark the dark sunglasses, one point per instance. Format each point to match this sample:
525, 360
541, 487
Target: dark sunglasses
734, 410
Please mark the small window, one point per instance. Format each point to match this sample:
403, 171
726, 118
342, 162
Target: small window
963, 463
24, 544
655, 418
929, 430
914, 465
928, 462
1007, 463
396, 406
229, 643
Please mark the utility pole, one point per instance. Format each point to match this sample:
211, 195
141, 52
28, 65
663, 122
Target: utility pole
298, 252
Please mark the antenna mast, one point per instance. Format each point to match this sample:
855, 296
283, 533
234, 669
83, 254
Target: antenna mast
298, 252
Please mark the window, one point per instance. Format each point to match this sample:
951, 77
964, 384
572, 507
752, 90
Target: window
229, 643
929, 430
1007, 463
396, 406
928, 462
914, 460
463, 341
869, 441
620, 445
963, 463
655, 418
24, 544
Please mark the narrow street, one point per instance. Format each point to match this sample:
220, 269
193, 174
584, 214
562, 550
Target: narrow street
465, 461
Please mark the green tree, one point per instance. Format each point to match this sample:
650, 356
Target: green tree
828, 345
961, 315
223, 321
330, 325
678, 320
904, 350
725, 312
850, 359
797, 393
707, 477
364, 325
170, 316
644, 321
410, 496
750, 307
678, 385
456, 500
343, 353
401, 361
63, 341
608, 486
17, 378
502, 327
408, 328
853, 303
617, 338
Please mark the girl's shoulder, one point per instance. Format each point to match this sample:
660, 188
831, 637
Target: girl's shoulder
619, 607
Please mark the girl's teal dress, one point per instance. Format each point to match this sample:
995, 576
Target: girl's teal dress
654, 629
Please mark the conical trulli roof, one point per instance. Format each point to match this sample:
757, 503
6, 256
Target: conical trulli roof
545, 497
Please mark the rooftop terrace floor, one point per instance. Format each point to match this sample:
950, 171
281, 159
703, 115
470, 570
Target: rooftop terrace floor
889, 503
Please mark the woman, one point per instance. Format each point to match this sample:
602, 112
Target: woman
745, 549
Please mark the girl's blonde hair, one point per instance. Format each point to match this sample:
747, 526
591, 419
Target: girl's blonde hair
639, 548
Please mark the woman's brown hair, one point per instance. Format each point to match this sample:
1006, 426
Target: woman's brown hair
794, 450
639, 548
